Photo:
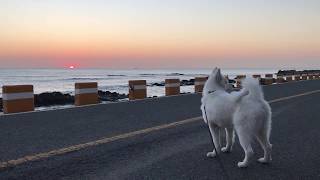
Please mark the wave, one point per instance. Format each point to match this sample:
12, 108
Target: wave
148, 74
175, 74
117, 75
113, 86
84, 78
26, 76
170, 74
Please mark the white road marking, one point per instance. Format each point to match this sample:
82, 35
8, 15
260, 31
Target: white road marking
294, 96
40, 156
78, 147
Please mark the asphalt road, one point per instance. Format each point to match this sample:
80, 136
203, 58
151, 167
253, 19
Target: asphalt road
173, 153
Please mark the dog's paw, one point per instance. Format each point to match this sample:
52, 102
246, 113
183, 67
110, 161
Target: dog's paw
226, 149
243, 164
211, 154
264, 160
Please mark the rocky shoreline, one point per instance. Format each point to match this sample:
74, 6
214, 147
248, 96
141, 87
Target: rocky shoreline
189, 82
295, 72
48, 99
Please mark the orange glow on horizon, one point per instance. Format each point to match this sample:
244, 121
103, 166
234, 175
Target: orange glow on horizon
124, 34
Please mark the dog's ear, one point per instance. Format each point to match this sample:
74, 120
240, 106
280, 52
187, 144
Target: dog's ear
218, 75
214, 70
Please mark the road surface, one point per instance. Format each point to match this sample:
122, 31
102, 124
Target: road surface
150, 143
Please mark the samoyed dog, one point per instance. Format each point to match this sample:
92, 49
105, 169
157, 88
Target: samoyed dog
245, 112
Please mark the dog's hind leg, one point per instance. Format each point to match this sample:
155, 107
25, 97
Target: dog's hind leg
215, 134
263, 139
229, 140
245, 139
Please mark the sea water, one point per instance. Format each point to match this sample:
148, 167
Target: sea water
49, 80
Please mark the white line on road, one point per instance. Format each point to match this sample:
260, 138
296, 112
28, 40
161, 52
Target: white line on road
78, 147
30, 158
294, 96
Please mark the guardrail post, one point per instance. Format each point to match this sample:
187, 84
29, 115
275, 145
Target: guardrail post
280, 79
304, 77
199, 84
18, 98
86, 93
172, 87
137, 89
311, 76
297, 77
288, 78
268, 79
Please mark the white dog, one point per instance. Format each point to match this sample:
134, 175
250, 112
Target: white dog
245, 111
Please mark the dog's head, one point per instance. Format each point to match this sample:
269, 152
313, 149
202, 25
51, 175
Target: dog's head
216, 81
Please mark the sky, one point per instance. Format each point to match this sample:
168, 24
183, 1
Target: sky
160, 33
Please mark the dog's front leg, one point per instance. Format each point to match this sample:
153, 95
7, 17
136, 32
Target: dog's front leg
215, 131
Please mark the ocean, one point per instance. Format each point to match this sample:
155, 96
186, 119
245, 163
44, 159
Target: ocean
49, 80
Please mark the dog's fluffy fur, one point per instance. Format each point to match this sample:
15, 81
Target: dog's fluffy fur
245, 111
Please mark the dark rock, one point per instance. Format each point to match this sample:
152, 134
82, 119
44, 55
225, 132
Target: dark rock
187, 82
294, 72
111, 96
52, 98
182, 83
58, 98
185, 93
158, 84
286, 72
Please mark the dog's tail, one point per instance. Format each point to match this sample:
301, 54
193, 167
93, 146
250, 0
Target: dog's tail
242, 94
253, 86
